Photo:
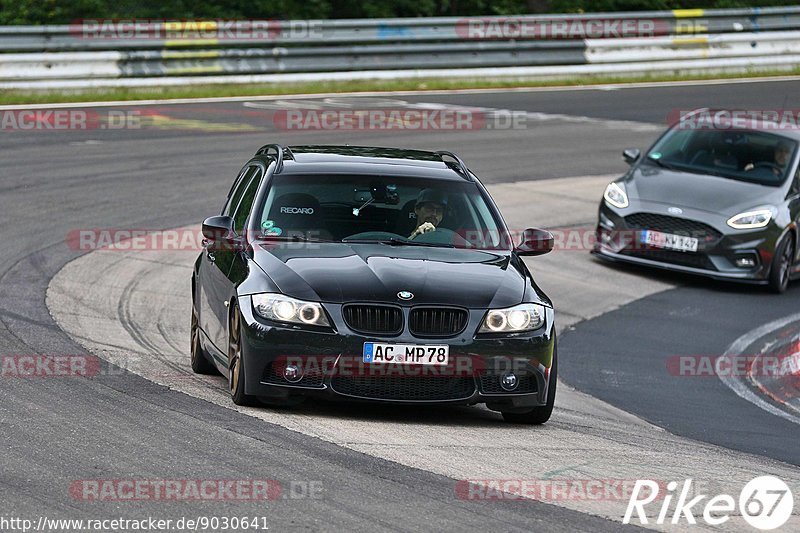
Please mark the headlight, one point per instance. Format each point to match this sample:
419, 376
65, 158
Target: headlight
524, 317
285, 309
615, 195
751, 220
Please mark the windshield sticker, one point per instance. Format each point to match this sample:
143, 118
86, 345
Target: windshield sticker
297, 210
655, 155
267, 224
272, 232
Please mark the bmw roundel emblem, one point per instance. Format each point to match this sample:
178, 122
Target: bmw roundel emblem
675, 210
405, 295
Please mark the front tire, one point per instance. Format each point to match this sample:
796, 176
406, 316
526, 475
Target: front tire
782, 265
538, 415
236, 369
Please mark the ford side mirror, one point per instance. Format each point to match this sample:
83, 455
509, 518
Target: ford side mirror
631, 155
535, 242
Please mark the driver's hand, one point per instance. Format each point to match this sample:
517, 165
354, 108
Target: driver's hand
427, 227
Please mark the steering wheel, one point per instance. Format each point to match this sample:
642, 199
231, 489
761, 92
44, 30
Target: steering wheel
767, 164
443, 236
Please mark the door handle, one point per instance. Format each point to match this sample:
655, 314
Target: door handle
207, 247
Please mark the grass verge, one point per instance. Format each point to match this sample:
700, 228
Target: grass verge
11, 97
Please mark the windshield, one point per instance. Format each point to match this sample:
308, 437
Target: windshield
753, 156
396, 211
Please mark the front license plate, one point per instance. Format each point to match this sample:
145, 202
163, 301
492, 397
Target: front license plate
408, 354
669, 241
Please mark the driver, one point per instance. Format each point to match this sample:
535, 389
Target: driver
429, 209
780, 158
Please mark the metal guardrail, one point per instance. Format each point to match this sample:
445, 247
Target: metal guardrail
363, 31
31, 55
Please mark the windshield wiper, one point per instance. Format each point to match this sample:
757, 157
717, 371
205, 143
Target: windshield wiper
405, 242
394, 241
691, 170
662, 164
289, 238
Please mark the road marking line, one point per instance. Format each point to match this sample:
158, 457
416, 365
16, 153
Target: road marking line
737, 348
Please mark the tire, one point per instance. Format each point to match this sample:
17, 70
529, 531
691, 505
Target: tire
782, 265
200, 362
236, 370
538, 415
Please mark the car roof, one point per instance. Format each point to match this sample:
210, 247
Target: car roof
368, 160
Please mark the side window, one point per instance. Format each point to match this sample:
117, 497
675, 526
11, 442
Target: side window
246, 203
796, 184
237, 190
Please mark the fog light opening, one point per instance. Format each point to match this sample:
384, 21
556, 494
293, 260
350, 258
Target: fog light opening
292, 374
509, 381
745, 262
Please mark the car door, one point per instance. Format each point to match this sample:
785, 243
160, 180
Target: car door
793, 200
241, 221
211, 285
226, 257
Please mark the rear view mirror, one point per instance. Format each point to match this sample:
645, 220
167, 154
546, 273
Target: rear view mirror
535, 242
631, 155
361, 196
378, 194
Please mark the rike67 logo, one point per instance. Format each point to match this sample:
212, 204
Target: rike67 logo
765, 503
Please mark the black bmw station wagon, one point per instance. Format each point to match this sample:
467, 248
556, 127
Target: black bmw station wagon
371, 274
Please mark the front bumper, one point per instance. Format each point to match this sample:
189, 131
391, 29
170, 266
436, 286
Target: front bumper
331, 364
717, 254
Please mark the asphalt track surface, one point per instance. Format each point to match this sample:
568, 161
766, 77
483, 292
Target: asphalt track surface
56, 431
625, 360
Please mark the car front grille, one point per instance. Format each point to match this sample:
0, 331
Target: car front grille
437, 321
490, 384
687, 259
674, 225
373, 319
405, 388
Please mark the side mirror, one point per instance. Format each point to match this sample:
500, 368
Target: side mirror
218, 230
535, 242
631, 155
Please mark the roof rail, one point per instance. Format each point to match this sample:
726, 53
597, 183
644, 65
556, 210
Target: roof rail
462, 167
278, 155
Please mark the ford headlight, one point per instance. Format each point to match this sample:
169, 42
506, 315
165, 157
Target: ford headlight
615, 195
282, 308
758, 218
524, 317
